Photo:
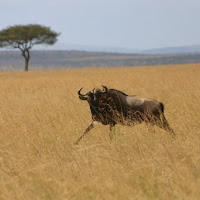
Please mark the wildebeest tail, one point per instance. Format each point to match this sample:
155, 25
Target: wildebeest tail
162, 107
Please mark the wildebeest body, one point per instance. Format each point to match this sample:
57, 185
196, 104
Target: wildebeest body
111, 107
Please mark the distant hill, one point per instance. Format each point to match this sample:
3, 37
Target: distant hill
173, 50
12, 60
110, 49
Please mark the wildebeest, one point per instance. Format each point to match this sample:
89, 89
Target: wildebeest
111, 107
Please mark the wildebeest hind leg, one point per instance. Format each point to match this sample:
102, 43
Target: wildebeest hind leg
165, 125
91, 126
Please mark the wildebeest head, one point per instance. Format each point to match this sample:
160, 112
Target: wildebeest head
97, 100
92, 96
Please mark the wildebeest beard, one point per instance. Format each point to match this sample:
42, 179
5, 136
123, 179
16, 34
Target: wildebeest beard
102, 111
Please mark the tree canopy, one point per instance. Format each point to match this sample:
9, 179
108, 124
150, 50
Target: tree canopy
24, 37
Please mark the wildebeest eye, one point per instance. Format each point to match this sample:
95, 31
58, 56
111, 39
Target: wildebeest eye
91, 95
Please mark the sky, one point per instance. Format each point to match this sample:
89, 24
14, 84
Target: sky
133, 24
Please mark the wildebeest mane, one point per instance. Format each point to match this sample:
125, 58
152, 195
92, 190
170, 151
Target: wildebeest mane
114, 90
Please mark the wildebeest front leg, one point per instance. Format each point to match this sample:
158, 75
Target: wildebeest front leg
112, 131
91, 126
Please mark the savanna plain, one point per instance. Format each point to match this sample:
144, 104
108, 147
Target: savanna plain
41, 117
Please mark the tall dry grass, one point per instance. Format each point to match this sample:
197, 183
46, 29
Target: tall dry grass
41, 116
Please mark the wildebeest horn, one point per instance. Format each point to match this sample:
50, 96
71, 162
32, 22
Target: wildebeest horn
79, 92
104, 88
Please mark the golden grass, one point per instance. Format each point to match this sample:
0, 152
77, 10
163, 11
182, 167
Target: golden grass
41, 116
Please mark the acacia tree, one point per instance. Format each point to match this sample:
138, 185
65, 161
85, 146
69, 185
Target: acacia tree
24, 37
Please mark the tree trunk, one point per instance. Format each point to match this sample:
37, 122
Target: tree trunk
26, 64
26, 55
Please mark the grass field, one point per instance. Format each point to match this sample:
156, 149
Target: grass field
41, 117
